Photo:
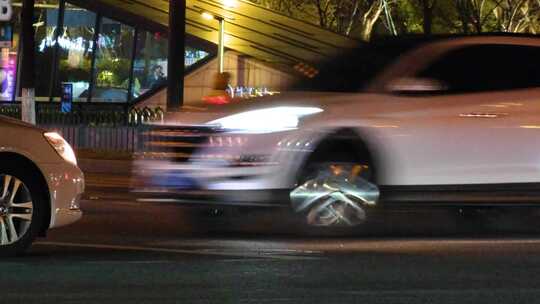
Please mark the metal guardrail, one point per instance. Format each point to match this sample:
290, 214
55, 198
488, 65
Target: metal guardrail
96, 114
90, 126
11, 110
140, 116
125, 139
175, 143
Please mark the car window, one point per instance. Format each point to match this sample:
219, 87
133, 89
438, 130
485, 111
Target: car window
487, 68
352, 70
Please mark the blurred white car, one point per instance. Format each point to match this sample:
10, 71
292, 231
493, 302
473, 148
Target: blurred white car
449, 121
40, 184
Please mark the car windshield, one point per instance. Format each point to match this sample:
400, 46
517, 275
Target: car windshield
352, 70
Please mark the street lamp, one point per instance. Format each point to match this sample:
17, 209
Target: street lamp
221, 38
229, 3
221, 44
207, 15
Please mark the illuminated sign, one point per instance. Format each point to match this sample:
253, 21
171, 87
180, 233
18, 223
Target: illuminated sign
76, 44
67, 97
6, 10
8, 68
6, 35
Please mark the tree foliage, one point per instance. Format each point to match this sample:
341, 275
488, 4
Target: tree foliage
363, 18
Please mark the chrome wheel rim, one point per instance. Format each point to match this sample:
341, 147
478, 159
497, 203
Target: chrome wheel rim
16, 209
337, 195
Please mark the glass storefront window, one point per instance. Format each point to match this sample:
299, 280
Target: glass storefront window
194, 55
150, 68
113, 62
76, 48
45, 25
109, 79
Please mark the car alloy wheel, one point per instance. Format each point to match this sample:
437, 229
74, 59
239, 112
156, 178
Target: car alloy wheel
16, 209
337, 195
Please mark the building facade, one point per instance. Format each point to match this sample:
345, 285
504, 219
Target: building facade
105, 59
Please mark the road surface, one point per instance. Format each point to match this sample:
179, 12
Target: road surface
125, 251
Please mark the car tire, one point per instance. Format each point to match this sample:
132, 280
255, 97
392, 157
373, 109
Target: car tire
322, 207
22, 201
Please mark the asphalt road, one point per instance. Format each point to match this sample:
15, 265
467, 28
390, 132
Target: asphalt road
124, 251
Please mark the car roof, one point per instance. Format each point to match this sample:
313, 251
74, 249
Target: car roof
410, 41
359, 66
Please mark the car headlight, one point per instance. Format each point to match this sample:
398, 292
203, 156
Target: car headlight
61, 146
266, 120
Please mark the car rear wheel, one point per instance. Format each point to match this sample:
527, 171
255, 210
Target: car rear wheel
335, 193
21, 201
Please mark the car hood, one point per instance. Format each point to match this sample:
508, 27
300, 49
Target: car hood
6, 121
198, 115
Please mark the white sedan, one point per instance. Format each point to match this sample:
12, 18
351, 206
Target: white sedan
40, 184
449, 121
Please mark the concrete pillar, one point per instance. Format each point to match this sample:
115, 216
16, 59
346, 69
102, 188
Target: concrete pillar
28, 100
177, 33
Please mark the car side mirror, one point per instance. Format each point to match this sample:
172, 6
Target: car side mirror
410, 85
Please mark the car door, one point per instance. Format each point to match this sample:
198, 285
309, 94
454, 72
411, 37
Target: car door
481, 129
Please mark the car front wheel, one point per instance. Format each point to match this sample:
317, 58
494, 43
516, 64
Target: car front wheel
21, 200
335, 193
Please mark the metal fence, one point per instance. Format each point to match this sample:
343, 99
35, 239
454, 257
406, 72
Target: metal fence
125, 139
96, 114
99, 127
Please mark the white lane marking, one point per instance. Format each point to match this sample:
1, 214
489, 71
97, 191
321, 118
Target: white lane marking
456, 293
322, 247
227, 260
181, 202
426, 243
244, 260
401, 245
178, 251
481, 241
130, 262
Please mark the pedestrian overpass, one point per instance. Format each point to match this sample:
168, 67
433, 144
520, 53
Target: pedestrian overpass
249, 29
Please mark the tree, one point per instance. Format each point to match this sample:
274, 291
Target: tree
356, 18
287, 7
364, 16
427, 8
476, 15
518, 16
361, 18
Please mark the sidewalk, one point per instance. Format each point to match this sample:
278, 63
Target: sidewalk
105, 166
105, 177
